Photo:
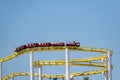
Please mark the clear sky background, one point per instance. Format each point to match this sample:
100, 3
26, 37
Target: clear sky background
91, 22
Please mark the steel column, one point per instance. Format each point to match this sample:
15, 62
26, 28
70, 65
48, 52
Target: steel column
67, 64
109, 66
31, 66
105, 73
40, 73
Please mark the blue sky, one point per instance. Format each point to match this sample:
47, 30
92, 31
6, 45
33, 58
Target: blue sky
91, 22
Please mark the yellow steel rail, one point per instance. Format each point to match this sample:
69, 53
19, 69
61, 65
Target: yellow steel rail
39, 49
55, 76
73, 62
76, 62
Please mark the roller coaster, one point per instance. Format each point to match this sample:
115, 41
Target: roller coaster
102, 62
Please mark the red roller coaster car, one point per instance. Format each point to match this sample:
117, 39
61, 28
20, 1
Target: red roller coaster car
46, 44
57, 44
73, 44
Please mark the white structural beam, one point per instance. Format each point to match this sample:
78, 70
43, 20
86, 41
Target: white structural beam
105, 73
67, 64
106, 76
0, 70
71, 78
40, 73
12, 78
31, 66
109, 66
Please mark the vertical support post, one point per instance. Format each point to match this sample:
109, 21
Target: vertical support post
71, 78
40, 73
109, 66
12, 78
67, 64
106, 75
86, 78
31, 66
0, 70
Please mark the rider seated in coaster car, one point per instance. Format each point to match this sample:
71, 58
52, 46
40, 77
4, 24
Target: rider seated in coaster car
73, 44
44, 44
57, 44
20, 48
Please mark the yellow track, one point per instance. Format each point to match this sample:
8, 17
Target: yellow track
73, 62
55, 76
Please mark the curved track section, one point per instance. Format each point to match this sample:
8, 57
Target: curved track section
73, 62
39, 49
55, 76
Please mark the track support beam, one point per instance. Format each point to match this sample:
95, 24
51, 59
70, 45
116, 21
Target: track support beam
109, 66
106, 75
67, 64
40, 73
31, 66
